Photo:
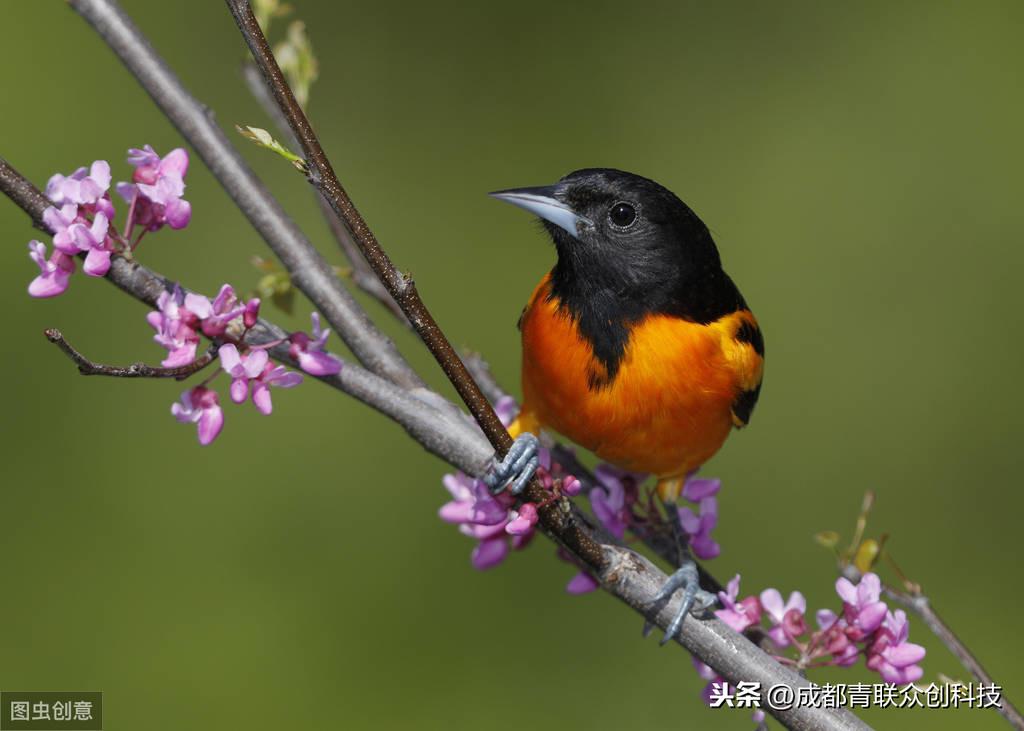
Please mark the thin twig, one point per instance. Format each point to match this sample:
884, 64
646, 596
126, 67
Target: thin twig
89, 367
361, 274
310, 272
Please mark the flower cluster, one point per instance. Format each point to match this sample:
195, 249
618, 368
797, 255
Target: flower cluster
81, 217
178, 322
865, 626
81, 221
493, 520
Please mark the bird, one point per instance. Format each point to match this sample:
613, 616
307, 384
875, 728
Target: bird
636, 345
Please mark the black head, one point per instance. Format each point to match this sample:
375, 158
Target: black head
629, 246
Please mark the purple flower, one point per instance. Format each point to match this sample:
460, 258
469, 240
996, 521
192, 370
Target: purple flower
582, 583
844, 652
157, 187
738, 614
699, 524
779, 614
698, 527
93, 240
54, 273
175, 328
862, 607
471, 502
200, 406
309, 351
242, 368
891, 655
612, 499
81, 187
521, 521
489, 553
216, 316
273, 375
60, 222
571, 486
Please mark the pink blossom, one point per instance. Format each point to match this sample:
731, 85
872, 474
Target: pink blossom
200, 406
571, 486
698, 526
891, 655
242, 367
582, 583
93, 240
60, 221
175, 328
308, 350
273, 375
522, 521
771, 602
612, 499
81, 187
54, 273
844, 652
862, 607
471, 502
157, 187
738, 614
216, 316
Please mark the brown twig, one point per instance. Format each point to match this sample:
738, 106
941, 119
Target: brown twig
89, 367
554, 518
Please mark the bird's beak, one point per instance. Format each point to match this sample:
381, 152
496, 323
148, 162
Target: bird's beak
542, 202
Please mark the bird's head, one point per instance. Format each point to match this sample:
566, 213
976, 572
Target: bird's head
619, 231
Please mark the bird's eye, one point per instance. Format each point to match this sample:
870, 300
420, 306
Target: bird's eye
622, 214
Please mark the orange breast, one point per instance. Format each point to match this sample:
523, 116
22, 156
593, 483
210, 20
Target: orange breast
669, 407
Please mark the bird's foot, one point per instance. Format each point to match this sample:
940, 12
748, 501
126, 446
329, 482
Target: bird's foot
517, 468
695, 599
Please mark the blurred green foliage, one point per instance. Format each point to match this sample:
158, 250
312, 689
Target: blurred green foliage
860, 165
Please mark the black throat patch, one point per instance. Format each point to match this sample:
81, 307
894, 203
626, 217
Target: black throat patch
605, 319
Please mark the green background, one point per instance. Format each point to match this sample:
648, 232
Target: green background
860, 165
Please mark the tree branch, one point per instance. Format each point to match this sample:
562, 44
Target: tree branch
310, 273
136, 370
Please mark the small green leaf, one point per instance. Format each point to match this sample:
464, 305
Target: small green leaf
264, 139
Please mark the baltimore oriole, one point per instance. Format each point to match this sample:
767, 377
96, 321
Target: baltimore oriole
636, 345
